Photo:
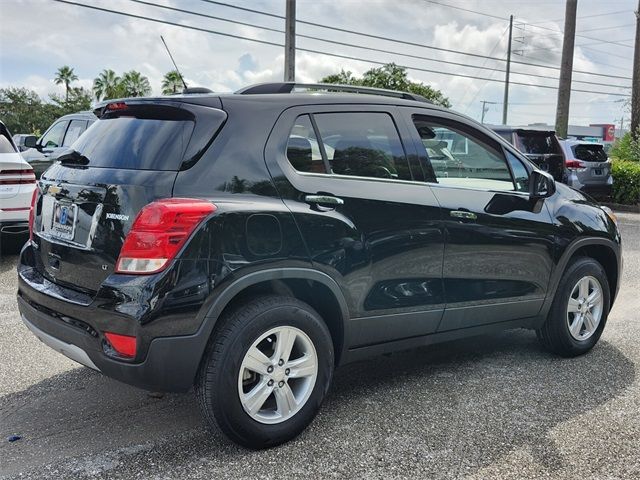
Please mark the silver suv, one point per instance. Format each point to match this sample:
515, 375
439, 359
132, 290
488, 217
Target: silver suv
588, 167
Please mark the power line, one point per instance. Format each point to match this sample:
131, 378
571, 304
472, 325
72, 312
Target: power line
221, 19
530, 24
467, 10
584, 16
609, 28
391, 52
406, 42
156, 20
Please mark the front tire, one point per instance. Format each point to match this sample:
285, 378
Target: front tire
579, 311
266, 371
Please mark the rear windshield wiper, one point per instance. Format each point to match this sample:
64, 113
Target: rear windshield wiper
73, 157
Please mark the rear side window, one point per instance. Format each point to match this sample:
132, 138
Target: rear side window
303, 149
355, 144
76, 127
5, 144
589, 153
139, 138
534, 143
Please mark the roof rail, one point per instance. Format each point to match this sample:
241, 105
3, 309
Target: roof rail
289, 87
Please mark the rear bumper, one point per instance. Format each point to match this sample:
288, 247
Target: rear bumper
170, 365
14, 227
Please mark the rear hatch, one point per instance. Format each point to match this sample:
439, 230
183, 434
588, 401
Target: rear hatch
543, 149
594, 159
91, 196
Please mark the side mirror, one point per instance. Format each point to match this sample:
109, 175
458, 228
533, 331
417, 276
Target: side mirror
541, 184
30, 141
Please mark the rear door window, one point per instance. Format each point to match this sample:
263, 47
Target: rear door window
76, 127
303, 149
140, 138
363, 144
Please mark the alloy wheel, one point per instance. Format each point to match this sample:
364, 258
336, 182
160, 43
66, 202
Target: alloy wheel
584, 309
277, 375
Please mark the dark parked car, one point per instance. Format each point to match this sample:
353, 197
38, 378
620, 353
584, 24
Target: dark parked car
540, 146
41, 153
247, 244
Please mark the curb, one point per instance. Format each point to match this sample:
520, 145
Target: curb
622, 208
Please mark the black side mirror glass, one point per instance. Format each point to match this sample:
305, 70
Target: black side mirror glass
30, 141
541, 185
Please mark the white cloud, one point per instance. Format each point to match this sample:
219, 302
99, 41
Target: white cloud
90, 41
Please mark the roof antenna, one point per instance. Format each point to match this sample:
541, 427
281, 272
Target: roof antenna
174, 63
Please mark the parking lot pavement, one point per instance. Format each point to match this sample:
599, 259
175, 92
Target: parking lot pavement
490, 407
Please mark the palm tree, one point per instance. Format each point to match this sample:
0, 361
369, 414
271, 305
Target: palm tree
172, 83
135, 84
65, 75
106, 85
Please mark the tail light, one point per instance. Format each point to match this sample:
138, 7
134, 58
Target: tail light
125, 345
32, 212
575, 165
158, 232
17, 177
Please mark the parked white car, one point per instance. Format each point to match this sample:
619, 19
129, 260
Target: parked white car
17, 183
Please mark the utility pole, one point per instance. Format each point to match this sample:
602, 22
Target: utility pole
635, 89
505, 104
566, 69
290, 42
485, 109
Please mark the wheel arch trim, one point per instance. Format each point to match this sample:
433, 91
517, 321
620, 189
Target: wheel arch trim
568, 253
254, 278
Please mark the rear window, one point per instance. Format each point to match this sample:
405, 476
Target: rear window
5, 144
589, 153
537, 143
139, 138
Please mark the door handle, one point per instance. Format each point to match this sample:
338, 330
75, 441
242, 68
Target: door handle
463, 214
323, 200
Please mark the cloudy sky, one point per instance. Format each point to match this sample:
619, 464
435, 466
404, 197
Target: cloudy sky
38, 36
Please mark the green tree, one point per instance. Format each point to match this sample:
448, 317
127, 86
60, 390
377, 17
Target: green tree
107, 85
172, 83
64, 76
627, 148
392, 77
77, 100
23, 111
134, 84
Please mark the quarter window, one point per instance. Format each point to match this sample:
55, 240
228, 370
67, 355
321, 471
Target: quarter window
459, 158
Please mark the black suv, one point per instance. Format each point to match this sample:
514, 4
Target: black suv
247, 244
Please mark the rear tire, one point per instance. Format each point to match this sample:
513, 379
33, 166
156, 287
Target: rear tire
257, 401
579, 310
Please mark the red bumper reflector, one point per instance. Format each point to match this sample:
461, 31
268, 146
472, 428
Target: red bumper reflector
123, 344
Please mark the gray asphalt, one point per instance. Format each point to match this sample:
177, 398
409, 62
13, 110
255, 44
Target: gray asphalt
496, 406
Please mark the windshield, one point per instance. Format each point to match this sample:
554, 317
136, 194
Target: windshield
537, 143
589, 153
129, 140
